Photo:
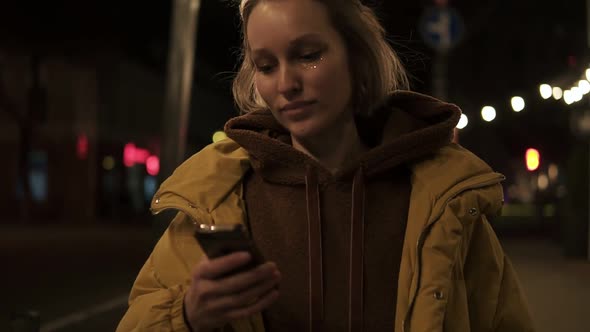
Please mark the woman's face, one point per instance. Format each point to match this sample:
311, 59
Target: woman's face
302, 69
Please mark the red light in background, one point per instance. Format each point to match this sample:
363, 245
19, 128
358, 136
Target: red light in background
533, 159
129, 154
133, 155
572, 61
152, 165
82, 146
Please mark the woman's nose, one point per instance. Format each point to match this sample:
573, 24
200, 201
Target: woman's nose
289, 81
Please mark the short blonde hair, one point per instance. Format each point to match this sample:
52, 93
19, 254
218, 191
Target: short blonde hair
375, 67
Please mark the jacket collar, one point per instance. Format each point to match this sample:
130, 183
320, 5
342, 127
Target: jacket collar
451, 171
207, 178
202, 183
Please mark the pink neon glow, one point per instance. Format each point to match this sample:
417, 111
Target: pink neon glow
152, 165
141, 155
129, 154
133, 155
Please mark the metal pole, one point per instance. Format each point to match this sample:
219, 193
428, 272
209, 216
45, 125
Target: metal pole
440, 75
179, 84
588, 45
181, 54
588, 23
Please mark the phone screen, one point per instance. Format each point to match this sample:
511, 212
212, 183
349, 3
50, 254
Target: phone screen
217, 241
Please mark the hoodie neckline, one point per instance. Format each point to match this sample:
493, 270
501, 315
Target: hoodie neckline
405, 127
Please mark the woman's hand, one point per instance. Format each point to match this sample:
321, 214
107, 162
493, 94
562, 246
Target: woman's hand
215, 297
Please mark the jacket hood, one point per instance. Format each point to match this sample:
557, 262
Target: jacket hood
406, 126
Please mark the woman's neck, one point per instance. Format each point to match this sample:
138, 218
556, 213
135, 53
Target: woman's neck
333, 148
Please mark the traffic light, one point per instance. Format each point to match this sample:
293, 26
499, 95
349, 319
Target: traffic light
532, 159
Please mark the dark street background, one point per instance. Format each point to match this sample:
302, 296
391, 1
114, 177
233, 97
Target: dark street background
78, 278
64, 271
91, 123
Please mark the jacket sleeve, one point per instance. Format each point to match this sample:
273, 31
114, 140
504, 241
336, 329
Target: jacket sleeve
156, 298
153, 307
496, 279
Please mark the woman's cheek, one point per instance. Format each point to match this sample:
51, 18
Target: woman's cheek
263, 88
319, 77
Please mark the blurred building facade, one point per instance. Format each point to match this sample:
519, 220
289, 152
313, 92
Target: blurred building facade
89, 107
71, 134
49, 108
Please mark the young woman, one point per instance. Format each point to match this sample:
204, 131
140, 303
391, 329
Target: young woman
369, 218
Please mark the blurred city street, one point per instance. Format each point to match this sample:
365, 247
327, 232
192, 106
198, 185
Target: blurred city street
78, 278
557, 288
100, 102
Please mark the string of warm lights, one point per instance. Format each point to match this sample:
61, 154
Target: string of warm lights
488, 113
570, 96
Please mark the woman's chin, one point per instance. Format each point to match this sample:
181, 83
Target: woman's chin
304, 129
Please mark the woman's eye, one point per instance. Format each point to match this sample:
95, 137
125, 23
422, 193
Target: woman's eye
264, 69
311, 56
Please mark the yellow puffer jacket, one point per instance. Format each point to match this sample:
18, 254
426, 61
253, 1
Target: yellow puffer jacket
454, 275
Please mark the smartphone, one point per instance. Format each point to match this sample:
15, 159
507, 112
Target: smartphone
221, 240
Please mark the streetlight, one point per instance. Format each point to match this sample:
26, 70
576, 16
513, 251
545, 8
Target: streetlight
557, 93
517, 104
546, 91
577, 94
542, 181
488, 113
463, 122
568, 97
584, 86
553, 172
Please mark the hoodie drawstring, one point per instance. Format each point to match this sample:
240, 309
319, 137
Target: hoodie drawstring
356, 267
357, 253
316, 277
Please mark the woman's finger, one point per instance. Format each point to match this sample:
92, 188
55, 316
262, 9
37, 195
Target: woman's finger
244, 298
239, 282
254, 308
217, 267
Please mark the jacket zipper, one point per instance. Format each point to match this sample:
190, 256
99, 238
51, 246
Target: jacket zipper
175, 207
422, 237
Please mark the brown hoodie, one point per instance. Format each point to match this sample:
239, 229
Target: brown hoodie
337, 238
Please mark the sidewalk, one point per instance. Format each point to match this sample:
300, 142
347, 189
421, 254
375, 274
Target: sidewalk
62, 271
64, 268
557, 288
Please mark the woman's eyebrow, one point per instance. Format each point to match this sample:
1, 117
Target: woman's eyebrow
314, 37
297, 42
